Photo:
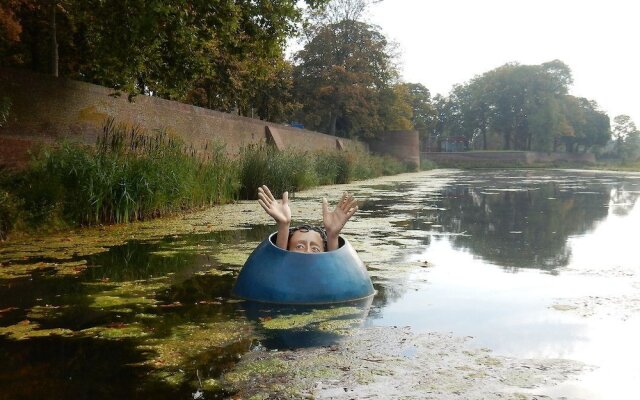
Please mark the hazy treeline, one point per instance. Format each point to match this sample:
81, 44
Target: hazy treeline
343, 80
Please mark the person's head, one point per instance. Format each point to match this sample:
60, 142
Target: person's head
307, 239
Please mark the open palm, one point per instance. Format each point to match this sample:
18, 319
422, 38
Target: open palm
335, 220
280, 212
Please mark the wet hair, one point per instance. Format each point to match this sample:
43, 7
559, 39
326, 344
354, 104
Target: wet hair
309, 228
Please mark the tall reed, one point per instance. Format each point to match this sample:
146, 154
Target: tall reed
131, 174
289, 170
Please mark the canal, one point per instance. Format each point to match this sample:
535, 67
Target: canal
479, 275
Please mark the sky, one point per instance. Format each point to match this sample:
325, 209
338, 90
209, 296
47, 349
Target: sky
447, 42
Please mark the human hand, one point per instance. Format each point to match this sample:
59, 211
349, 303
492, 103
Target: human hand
280, 212
335, 220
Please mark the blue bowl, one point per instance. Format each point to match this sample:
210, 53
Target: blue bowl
275, 275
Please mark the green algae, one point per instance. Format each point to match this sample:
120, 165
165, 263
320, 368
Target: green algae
169, 355
173, 378
28, 330
105, 301
128, 294
22, 270
369, 364
215, 271
254, 370
211, 384
46, 312
123, 331
186, 341
324, 318
235, 254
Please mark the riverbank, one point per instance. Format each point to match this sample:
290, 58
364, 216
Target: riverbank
132, 175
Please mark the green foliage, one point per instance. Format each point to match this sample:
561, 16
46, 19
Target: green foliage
132, 175
626, 137
522, 107
332, 167
343, 78
217, 53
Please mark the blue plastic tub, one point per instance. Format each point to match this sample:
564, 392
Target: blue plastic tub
274, 275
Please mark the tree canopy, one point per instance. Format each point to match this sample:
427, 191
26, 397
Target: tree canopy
343, 78
229, 55
523, 107
222, 53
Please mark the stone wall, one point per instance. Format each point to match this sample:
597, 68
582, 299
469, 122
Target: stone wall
496, 158
403, 145
45, 109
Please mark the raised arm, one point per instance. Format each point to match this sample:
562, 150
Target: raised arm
335, 220
280, 212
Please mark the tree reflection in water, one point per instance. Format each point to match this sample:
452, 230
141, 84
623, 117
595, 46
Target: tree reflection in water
526, 222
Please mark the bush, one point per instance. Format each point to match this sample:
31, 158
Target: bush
332, 167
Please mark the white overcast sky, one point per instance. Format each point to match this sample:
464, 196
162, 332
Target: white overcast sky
444, 42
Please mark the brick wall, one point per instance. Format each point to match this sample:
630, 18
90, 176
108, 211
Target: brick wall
46, 109
403, 145
507, 157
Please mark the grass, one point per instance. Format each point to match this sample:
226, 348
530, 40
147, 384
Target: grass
134, 175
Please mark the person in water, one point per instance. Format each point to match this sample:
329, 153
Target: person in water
307, 238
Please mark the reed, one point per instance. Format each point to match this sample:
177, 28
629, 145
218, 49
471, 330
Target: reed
133, 175
129, 175
282, 171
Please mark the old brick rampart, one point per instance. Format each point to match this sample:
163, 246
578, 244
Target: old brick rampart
403, 145
506, 158
45, 109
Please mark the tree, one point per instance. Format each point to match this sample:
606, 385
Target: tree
514, 107
583, 124
340, 76
424, 117
220, 52
626, 137
395, 110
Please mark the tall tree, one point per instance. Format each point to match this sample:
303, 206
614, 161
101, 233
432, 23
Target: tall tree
627, 137
228, 49
514, 107
340, 76
424, 118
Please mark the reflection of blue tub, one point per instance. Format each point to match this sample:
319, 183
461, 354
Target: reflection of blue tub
274, 275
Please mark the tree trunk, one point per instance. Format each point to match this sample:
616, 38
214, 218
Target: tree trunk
507, 140
484, 138
332, 123
54, 41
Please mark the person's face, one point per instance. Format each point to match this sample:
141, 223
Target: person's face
306, 242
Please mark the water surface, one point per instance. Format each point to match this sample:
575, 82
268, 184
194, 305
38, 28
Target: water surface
531, 264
